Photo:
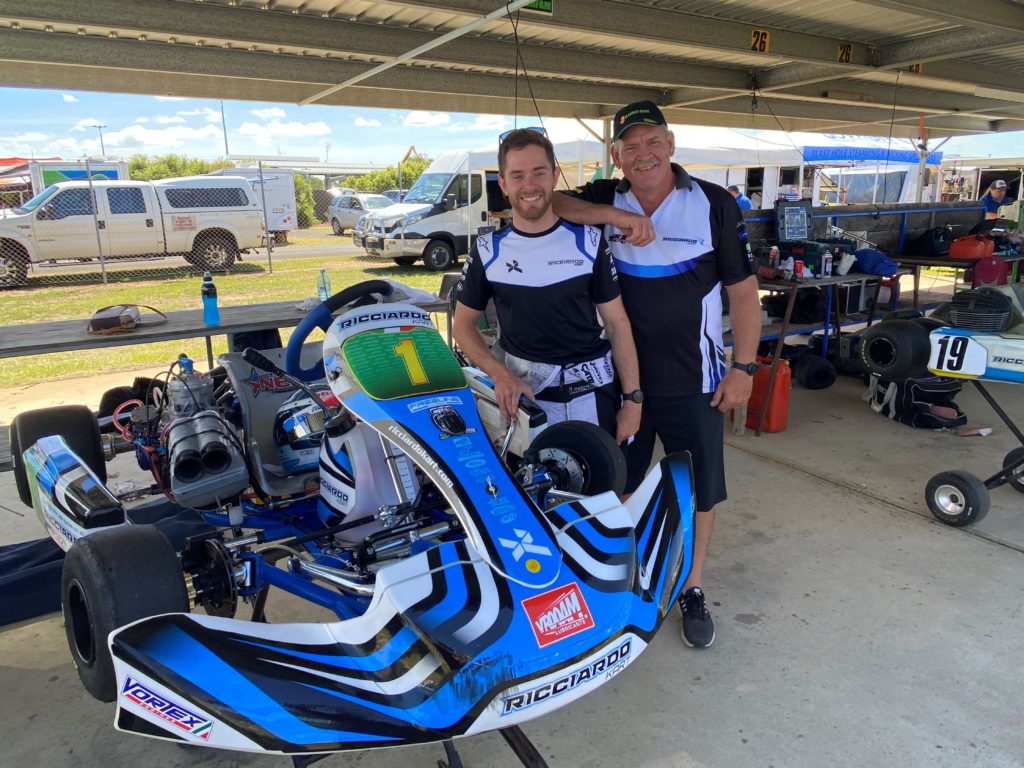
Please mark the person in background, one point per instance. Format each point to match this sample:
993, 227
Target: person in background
741, 200
995, 199
550, 280
672, 292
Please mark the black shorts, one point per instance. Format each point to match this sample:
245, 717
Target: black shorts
684, 423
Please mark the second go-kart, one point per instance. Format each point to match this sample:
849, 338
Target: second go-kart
977, 337
480, 576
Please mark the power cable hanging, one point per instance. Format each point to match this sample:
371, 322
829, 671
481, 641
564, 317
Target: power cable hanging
514, 20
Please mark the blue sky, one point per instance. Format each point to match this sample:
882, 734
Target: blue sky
44, 123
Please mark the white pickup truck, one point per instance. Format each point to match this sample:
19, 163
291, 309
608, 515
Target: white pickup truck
209, 220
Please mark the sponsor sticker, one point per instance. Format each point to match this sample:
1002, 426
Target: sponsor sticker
165, 708
433, 402
558, 614
608, 665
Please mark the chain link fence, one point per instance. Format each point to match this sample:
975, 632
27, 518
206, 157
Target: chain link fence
89, 226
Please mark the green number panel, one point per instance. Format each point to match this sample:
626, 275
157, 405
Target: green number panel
388, 365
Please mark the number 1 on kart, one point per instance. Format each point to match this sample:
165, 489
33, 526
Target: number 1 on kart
406, 350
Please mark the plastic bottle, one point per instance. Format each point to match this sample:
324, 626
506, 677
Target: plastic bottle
211, 314
323, 286
826, 265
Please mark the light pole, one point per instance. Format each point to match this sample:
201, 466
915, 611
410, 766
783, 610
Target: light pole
103, 149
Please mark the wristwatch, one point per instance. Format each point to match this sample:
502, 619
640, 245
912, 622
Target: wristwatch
636, 396
748, 368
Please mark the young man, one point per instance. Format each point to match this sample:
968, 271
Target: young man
741, 200
549, 280
671, 289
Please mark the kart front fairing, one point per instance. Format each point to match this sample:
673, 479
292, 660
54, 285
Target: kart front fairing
525, 613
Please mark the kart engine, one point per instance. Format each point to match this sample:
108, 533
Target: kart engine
185, 440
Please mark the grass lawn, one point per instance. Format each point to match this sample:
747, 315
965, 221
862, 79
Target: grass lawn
292, 278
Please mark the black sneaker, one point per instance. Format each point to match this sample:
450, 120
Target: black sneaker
698, 628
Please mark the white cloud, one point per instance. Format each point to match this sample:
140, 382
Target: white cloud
564, 128
270, 113
362, 122
159, 139
211, 115
264, 134
141, 119
85, 124
68, 98
421, 119
495, 123
169, 98
168, 119
30, 137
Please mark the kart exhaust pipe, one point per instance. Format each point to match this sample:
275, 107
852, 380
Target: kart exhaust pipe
187, 465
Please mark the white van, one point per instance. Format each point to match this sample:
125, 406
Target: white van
209, 220
443, 212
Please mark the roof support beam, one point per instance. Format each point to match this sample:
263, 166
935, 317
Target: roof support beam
995, 15
270, 29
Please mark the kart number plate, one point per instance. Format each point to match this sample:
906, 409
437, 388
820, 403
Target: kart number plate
957, 356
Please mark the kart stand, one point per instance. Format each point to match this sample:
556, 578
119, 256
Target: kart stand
959, 498
517, 741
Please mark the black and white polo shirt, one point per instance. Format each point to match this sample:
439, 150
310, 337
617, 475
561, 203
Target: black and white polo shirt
545, 287
672, 287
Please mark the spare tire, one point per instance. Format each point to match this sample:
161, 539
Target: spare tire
815, 372
895, 349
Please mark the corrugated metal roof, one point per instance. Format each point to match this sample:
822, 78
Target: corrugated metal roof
816, 63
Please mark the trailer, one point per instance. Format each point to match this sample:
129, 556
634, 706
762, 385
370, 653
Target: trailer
275, 192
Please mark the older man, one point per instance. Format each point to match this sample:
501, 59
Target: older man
672, 293
550, 280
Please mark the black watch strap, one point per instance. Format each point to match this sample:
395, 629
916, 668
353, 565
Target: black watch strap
748, 368
636, 396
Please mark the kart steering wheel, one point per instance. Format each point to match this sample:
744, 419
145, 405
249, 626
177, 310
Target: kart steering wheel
320, 317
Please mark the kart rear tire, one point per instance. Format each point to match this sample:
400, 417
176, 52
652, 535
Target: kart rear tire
602, 461
957, 498
111, 579
75, 423
815, 372
895, 349
1017, 481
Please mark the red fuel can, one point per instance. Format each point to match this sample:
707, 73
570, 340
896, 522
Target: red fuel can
777, 416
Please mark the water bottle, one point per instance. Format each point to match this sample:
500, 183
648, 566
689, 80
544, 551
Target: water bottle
211, 315
323, 286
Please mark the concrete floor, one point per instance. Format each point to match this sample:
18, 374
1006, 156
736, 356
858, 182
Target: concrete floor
852, 629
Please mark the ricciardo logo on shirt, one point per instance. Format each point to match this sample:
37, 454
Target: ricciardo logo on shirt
687, 240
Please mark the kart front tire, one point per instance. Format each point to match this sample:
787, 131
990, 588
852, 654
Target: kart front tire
957, 498
602, 462
75, 423
111, 579
1016, 481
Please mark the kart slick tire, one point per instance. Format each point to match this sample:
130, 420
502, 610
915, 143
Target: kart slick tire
588, 446
957, 498
75, 423
112, 578
895, 349
815, 372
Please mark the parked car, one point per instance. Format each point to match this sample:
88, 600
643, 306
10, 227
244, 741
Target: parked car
359, 232
346, 211
395, 195
210, 220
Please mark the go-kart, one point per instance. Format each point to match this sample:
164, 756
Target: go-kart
979, 336
481, 575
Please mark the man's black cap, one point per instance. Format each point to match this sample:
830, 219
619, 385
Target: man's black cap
637, 113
